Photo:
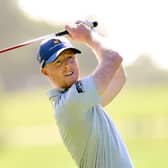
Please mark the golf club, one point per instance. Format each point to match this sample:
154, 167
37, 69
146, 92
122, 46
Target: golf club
61, 33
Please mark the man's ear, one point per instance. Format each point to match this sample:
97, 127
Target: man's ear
44, 71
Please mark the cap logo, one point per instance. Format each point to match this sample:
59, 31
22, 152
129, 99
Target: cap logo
56, 41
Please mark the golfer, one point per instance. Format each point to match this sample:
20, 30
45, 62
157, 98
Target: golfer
86, 129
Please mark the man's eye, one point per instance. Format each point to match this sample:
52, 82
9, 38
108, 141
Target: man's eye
70, 57
58, 62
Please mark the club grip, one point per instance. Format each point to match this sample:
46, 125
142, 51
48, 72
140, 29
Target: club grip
65, 32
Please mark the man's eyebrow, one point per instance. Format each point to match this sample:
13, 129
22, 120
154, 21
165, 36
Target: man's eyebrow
57, 59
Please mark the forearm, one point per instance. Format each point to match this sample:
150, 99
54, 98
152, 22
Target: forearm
83, 34
101, 48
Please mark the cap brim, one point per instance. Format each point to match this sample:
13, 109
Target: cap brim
56, 55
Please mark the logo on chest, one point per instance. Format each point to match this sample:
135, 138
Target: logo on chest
79, 87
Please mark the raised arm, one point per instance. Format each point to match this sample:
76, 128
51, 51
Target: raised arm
108, 60
115, 86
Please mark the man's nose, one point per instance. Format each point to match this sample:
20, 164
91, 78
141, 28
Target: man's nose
67, 62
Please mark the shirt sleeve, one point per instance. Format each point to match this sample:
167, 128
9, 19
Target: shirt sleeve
81, 97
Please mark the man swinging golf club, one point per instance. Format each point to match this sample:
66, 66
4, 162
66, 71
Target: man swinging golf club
87, 131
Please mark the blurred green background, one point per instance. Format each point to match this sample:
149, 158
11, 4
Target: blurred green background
28, 133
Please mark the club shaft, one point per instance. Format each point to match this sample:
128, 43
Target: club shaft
23, 44
93, 24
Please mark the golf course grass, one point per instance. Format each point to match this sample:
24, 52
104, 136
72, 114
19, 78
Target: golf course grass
29, 136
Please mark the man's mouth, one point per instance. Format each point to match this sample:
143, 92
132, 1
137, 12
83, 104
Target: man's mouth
68, 73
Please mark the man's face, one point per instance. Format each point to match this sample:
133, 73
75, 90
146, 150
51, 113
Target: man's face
64, 71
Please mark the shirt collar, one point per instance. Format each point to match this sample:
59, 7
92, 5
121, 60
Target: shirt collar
55, 92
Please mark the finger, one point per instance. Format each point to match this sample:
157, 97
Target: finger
69, 29
79, 21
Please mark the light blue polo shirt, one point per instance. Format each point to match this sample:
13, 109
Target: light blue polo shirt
87, 131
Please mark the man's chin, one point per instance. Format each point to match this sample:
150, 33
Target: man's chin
70, 83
